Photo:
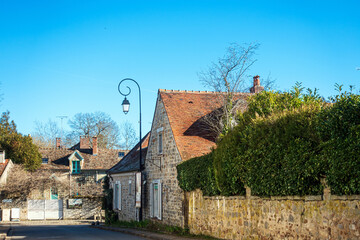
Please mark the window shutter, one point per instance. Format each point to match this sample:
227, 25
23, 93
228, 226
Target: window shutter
119, 198
151, 202
160, 201
114, 195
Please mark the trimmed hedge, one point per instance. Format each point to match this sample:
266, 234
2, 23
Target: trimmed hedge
339, 126
198, 173
284, 144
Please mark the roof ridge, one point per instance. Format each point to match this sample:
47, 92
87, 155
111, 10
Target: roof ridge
194, 91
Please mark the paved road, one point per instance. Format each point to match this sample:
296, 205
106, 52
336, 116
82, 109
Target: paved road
57, 232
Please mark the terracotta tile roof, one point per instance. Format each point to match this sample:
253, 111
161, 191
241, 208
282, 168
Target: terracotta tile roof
185, 109
3, 166
131, 160
58, 158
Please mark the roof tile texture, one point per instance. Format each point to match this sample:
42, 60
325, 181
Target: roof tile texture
184, 109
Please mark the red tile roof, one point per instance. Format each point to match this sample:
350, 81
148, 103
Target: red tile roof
58, 158
184, 110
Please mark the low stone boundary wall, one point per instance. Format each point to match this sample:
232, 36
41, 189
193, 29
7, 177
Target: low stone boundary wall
239, 217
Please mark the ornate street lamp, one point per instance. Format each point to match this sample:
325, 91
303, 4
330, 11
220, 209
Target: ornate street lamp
126, 106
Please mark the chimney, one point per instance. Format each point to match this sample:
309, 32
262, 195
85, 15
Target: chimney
84, 142
58, 142
256, 88
95, 146
2, 156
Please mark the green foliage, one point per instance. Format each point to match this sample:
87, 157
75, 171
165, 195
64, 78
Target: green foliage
282, 155
198, 173
20, 149
339, 126
107, 203
272, 149
284, 144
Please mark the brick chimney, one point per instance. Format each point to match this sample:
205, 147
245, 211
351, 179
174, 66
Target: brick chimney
84, 142
256, 88
2, 156
95, 146
58, 142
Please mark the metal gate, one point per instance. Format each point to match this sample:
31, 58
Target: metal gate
45, 209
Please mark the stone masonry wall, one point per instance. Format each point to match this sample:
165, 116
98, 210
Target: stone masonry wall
172, 195
89, 209
249, 217
128, 210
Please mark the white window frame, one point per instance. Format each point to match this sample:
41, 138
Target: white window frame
157, 215
117, 196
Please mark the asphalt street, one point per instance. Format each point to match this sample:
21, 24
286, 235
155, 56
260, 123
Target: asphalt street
76, 232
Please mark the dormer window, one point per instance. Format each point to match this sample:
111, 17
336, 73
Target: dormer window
45, 160
75, 167
76, 161
121, 154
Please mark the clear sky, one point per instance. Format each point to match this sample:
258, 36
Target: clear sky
59, 58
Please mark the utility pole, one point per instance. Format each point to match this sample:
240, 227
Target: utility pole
61, 118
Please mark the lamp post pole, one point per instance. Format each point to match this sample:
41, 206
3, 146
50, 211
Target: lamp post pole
126, 106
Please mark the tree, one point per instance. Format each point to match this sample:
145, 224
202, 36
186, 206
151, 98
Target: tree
128, 135
228, 76
46, 133
18, 148
98, 124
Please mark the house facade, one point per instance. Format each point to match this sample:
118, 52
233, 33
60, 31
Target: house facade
124, 179
180, 131
69, 182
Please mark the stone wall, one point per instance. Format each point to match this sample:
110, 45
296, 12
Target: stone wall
128, 211
89, 209
163, 167
310, 217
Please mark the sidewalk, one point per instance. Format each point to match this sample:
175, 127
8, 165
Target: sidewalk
144, 234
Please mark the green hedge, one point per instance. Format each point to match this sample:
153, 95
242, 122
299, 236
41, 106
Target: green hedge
339, 126
283, 145
198, 173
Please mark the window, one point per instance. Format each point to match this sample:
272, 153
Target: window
75, 167
45, 160
155, 199
121, 154
129, 187
117, 196
160, 140
54, 193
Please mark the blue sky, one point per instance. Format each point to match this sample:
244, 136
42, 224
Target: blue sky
59, 58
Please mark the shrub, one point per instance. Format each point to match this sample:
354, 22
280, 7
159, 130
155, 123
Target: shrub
339, 126
198, 173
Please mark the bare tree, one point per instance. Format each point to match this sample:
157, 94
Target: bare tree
228, 76
128, 135
97, 124
22, 183
46, 133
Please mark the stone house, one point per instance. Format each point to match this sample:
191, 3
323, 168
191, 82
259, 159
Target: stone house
124, 183
69, 182
180, 131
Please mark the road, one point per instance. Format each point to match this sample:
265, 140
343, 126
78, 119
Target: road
57, 232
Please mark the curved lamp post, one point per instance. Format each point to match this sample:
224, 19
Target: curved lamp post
126, 107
